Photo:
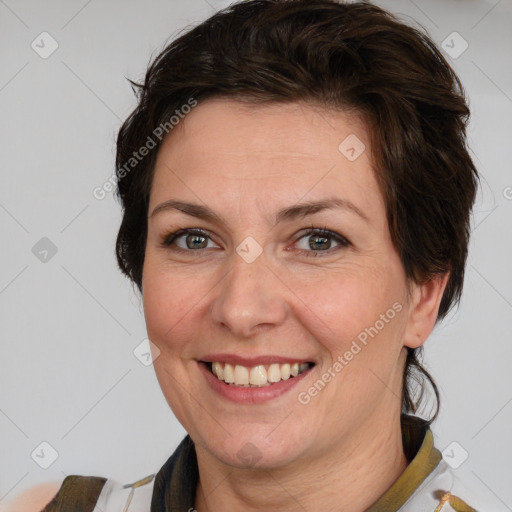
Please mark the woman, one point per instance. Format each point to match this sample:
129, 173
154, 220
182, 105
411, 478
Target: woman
296, 193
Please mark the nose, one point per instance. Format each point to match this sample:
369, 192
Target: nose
251, 298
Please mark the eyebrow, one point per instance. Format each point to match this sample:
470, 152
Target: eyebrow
286, 214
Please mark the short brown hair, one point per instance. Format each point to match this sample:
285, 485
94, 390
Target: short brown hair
353, 56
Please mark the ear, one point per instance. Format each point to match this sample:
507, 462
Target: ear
423, 308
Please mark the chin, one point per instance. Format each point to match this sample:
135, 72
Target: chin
259, 448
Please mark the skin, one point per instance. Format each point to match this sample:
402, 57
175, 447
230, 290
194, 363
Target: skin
343, 449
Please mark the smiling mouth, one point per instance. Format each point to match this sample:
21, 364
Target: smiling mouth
256, 376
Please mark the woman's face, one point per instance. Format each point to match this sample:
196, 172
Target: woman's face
255, 289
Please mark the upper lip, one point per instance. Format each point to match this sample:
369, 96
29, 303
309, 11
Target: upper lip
235, 359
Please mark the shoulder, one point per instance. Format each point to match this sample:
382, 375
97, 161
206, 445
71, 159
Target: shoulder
81, 492
444, 491
127, 497
84, 493
33, 499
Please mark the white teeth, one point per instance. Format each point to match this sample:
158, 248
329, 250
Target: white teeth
228, 376
274, 373
241, 375
258, 376
285, 371
217, 369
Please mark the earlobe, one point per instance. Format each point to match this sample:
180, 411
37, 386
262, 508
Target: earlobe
424, 306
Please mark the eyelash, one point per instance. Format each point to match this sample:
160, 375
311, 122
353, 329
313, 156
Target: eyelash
172, 237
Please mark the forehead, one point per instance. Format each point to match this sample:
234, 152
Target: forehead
225, 149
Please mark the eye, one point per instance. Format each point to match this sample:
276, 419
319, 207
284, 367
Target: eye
193, 239
320, 240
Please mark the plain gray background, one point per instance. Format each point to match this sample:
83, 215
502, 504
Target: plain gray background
70, 323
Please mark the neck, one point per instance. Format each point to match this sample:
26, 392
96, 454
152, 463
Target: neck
350, 477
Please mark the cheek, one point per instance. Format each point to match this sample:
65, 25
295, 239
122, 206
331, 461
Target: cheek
335, 305
349, 302
365, 316
170, 301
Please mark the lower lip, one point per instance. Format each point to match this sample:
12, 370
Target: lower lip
250, 395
